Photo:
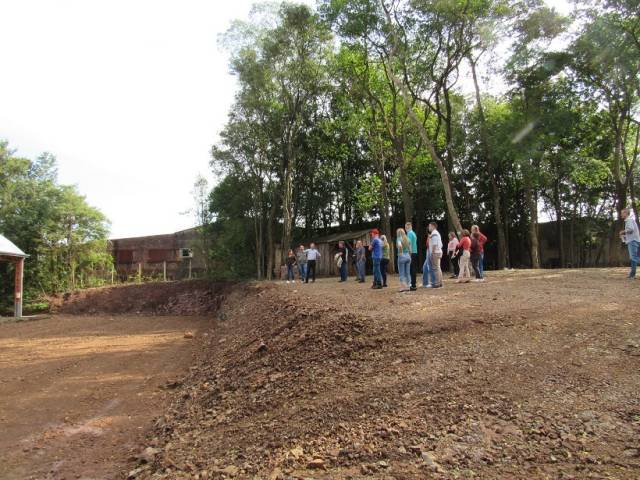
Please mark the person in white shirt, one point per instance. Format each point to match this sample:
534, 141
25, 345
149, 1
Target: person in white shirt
631, 236
435, 250
312, 256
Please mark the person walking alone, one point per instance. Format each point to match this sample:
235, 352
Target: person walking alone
361, 261
312, 256
631, 236
435, 250
386, 258
454, 260
404, 259
376, 248
465, 246
301, 259
413, 239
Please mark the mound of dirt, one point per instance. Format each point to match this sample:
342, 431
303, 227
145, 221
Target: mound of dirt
193, 297
338, 381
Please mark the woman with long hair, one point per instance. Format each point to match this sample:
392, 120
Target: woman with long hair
465, 258
404, 259
291, 262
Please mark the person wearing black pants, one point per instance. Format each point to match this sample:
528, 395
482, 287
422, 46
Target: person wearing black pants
411, 235
312, 255
476, 255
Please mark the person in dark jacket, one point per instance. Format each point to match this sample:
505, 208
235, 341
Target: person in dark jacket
291, 263
342, 257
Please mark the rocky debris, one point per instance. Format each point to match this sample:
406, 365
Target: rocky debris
190, 297
148, 455
188, 335
291, 387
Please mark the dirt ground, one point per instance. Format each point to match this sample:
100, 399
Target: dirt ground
78, 394
533, 374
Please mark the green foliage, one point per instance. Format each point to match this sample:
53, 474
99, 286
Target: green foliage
64, 236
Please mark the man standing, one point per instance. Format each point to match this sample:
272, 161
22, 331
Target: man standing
413, 239
301, 259
361, 261
481, 241
631, 236
312, 256
376, 256
435, 251
343, 265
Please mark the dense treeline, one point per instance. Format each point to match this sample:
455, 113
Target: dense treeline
483, 111
66, 239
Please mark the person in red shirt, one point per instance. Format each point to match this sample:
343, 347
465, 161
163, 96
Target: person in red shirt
482, 239
465, 246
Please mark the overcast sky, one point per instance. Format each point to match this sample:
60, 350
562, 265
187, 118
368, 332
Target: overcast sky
129, 95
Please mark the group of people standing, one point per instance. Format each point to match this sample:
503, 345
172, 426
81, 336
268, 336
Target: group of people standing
463, 253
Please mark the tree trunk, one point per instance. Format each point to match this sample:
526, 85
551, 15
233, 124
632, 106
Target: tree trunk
407, 196
491, 170
270, 246
287, 198
532, 206
444, 176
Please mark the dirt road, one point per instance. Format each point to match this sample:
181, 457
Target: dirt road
77, 394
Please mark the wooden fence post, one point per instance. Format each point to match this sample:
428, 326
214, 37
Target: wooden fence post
19, 279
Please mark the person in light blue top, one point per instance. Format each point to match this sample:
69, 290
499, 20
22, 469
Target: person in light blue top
376, 256
404, 259
413, 239
631, 236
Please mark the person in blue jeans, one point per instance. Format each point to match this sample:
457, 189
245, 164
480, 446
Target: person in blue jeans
426, 266
291, 263
404, 259
301, 260
631, 236
376, 256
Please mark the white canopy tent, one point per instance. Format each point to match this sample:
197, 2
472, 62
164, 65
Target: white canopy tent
9, 252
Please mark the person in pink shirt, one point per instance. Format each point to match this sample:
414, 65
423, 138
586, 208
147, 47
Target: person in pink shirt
454, 259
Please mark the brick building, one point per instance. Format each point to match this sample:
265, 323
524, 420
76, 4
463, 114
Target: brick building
175, 255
